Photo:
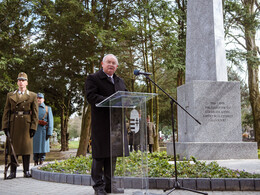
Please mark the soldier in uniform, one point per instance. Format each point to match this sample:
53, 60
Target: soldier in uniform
41, 142
20, 118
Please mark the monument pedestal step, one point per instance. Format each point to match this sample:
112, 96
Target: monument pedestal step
214, 150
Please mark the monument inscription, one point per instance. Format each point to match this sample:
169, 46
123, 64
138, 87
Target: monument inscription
217, 111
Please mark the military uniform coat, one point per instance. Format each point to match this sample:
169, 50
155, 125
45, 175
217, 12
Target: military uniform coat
98, 87
20, 124
40, 144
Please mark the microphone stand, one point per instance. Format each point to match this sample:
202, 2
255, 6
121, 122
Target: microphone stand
177, 185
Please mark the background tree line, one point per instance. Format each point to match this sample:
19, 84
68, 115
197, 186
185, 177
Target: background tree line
59, 43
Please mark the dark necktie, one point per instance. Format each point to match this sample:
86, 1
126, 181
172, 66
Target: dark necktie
111, 79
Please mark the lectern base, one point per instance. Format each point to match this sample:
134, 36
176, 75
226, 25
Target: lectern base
144, 193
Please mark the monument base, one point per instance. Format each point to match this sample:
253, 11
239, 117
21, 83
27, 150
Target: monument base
216, 105
214, 150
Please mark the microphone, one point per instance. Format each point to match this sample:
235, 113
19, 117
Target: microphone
137, 72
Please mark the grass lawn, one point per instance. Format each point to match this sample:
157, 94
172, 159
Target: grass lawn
72, 145
75, 145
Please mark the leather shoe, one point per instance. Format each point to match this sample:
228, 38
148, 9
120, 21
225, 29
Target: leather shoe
115, 190
12, 175
27, 174
100, 192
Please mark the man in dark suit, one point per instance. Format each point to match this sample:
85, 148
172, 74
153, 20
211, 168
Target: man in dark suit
99, 86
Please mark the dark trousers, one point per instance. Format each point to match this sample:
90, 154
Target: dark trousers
150, 148
136, 147
39, 157
102, 172
131, 147
26, 163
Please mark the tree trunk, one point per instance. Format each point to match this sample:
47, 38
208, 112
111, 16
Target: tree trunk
64, 123
85, 130
252, 65
85, 125
180, 78
254, 99
156, 138
157, 112
132, 69
63, 131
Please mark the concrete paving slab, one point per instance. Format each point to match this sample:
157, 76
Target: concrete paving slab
248, 165
29, 186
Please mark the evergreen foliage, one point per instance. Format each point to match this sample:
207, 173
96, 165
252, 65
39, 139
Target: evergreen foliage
59, 43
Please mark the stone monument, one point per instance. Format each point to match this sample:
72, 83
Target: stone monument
207, 94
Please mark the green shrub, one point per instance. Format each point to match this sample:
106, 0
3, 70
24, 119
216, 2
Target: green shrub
73, 165
158, 166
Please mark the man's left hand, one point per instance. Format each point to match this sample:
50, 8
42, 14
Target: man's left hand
32, 132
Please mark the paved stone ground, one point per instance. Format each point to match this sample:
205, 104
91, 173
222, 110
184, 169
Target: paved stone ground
29, 186
248, 165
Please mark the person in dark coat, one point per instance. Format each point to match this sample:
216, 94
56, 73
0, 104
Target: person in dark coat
151, 133
99, 86
41, 142
21, 112
130, 136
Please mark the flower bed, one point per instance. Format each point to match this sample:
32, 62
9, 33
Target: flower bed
158, 166
192, 174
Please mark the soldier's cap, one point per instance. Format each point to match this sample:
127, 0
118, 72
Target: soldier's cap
40, 95
22, 76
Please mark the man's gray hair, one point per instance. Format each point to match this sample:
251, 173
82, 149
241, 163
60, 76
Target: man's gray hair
104, 58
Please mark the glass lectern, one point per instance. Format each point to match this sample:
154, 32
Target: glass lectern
128, 138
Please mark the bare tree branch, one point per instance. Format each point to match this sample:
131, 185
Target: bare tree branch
237, 40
